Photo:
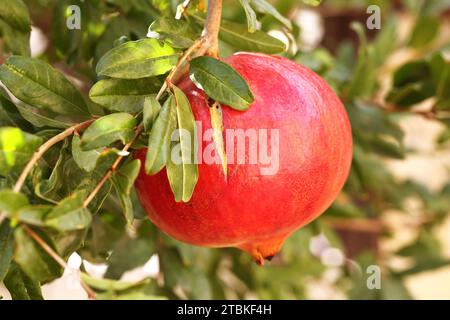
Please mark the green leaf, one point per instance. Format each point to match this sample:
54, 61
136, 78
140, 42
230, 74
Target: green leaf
33, 215
15, 13
151, 111
41, 118
252, 22
412, 83
107, 284
20, 286
38, 84
385, 41
194, 282
313, 3
123, 181
394, 289
108, 129
178, 33
159, 141
69, 214
440, 70
221, 82
47, 189
127, 255
77, 180
126, 176
238, 36
86, 160
262, 6
182, 171
16, 41
9, 115
137, 59
362, 81
425, 31
375, 131
106, 229
138, 295
11, 202
124, 95
6, 248
16, 148
33, 260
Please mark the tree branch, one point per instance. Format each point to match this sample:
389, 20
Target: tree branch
207, 44
43, 148
212, 28
113, 167
40, 152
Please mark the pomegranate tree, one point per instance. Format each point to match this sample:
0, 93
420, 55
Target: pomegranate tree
256, 206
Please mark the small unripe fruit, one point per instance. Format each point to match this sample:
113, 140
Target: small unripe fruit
250, 209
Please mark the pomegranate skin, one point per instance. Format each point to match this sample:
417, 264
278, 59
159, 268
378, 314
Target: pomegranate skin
246, 209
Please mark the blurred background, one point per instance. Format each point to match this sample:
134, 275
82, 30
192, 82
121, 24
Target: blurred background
394, 210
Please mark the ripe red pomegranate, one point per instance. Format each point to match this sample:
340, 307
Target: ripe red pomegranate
248, 210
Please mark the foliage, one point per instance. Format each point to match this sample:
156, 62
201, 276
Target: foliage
119, 72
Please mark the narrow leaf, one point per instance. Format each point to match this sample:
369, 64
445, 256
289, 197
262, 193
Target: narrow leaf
69, 214
124, 95
86, 160
263, 6
137, 59
33, 215
252, 22
38, 84
11, 202
41, 118
15, 13
221, 82
106, 284
33, 260
6, 248
108, 129
20, 286
178, 33
47, 189
182, 171
159, 141
238, 36
15, 41
425, 31
129, 254
123, 181
151, 111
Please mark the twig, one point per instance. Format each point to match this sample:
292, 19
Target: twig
43, 148
197, 44
390, 108
91, 294
113, 167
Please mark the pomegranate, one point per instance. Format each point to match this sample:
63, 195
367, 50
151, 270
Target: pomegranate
249, 208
